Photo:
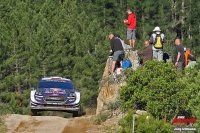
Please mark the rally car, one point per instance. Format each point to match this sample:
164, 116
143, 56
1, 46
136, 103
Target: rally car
55, 94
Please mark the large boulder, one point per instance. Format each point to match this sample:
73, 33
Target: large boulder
109, 88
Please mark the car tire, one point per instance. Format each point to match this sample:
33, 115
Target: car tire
77, 113
33, 112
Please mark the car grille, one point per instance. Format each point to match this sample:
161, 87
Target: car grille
55, 99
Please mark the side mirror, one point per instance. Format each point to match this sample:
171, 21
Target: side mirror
32, 88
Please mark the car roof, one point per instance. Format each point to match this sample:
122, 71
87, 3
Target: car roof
56, 78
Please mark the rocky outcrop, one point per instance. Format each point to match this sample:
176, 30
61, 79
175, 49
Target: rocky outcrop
108, 87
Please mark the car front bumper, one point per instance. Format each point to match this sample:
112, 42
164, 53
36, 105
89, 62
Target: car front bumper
55, 107
45, 106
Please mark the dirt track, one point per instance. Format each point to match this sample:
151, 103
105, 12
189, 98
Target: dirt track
49, 124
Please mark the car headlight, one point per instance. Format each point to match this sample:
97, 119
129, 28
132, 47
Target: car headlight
72, 97
38, 92
72, 94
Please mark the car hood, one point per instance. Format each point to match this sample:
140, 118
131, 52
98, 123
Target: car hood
55, 92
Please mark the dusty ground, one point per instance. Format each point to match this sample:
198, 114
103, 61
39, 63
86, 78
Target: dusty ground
48, 124
53, 124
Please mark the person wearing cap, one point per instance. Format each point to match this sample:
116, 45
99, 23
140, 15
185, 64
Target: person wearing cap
189, 58
179, 54
157, 52
131, 27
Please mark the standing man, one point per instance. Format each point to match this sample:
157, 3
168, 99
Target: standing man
157, 39
131, 23
118, 52
179, 54
147, 52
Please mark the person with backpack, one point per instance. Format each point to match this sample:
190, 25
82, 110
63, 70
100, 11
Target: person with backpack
147, 52
131, 27
157, 39
118, 52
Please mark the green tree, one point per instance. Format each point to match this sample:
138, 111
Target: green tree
158, 88
143, 124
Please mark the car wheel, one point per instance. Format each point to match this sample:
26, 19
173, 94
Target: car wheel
33, 112
75, 114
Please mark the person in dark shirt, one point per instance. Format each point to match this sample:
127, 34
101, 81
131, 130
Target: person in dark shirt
179, 54
117, 50
147, 52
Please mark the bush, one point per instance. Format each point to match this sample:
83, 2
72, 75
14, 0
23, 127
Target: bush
113, 105
127, 122
160, 88
102, 117
143, 124
193, 86
2, 126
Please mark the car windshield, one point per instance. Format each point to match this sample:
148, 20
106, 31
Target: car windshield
50, 84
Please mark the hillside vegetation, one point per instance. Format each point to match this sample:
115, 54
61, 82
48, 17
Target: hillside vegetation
161, 89
69, 38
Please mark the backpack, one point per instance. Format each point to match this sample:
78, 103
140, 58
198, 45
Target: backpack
126, 64
158, 42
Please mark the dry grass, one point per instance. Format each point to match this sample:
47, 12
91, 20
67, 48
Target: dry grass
2, 125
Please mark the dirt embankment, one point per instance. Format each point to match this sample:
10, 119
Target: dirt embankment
49, 124
54, 124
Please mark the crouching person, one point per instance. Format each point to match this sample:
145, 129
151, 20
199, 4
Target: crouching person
189, 59
118, 52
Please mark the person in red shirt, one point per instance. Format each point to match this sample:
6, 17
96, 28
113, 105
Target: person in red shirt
131, 27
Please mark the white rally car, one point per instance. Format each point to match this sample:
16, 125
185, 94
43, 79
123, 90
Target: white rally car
55, 94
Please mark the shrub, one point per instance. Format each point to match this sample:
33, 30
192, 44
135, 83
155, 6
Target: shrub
160, 89
143, 124
102, 117
2, 126
113, 105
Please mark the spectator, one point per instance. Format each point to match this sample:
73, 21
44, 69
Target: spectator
179, 54
157, 39
123, 44
189, 58
131, 27
118, 52
147, 52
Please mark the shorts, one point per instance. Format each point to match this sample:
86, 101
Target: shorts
131, 34
180, 65
118, 55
